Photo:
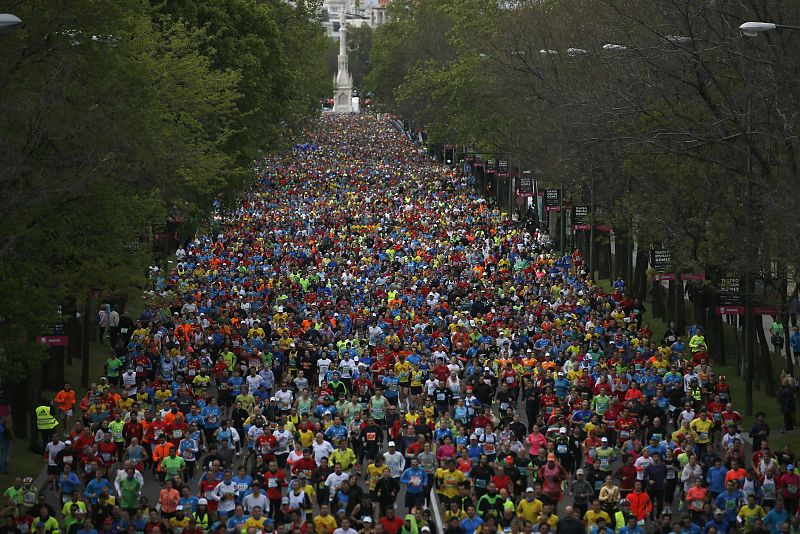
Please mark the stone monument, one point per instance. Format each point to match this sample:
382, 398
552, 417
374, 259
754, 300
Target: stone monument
343, 92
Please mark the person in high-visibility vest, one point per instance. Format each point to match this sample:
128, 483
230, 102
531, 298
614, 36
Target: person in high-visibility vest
45, 422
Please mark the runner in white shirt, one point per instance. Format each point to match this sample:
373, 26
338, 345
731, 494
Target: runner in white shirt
253, 382
395, 461
322, 449
345, 528
285, 397
256, 498
323, 365
335, 479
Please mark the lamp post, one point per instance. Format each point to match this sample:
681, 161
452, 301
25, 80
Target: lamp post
753, 29
8, 23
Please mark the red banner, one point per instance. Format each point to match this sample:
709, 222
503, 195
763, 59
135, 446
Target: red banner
729, 310
697, 277
764, 310
582, 226
663, 276
53, 341
739, 310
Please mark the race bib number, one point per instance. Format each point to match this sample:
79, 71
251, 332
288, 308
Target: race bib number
624, 434
177, 433
416, 481
509, 380
603, 462
273, 483
562, 448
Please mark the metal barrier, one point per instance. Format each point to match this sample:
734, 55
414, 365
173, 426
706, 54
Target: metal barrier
436, 511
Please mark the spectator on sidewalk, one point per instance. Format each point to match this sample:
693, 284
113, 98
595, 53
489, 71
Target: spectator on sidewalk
786, 401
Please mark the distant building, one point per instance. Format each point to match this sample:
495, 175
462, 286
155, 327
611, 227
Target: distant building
359, 13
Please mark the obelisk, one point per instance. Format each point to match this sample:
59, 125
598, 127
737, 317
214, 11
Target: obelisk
343, 92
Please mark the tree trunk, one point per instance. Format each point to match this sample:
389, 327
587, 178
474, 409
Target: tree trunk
655, 294
604, 260
669, 317
621, 257
640, 275
764, 376
738, 346
680, 303
789, 355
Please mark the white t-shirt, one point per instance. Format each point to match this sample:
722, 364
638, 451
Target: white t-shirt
253, 382
285, 439
285, 398
323, 365
251, 501
129, 380
321, 450
395, 462
52, 451
334, 481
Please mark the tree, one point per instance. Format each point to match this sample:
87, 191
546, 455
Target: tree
118, 115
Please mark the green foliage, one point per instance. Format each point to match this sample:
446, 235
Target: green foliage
359, 47
115, 116
659, 104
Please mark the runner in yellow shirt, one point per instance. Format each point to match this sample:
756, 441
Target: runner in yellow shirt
702, 427
529, 508
324, 523
447, 480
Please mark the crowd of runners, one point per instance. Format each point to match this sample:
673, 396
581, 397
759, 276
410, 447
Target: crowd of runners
366, 346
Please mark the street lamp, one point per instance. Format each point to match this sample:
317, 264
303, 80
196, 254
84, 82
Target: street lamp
8, 23
752, 29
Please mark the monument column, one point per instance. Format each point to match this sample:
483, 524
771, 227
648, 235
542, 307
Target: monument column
343, 92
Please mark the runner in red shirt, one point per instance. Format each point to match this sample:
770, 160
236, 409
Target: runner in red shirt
626, 427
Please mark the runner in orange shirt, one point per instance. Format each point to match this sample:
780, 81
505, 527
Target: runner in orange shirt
65, 399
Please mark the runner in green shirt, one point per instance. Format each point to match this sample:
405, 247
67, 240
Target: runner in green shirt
600, 404
113, 366
130, 488
172, 465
